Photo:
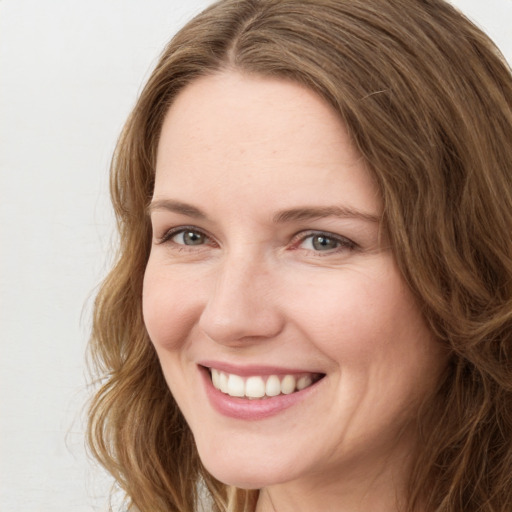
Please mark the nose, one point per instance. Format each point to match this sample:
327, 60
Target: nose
242, 306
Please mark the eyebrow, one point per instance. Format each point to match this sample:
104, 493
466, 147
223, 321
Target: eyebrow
281, 217
310, 213
175, 207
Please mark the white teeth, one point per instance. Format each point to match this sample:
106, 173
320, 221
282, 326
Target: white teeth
254, 387
273, 386
304, 382
288, 384
258, 387
216, 379
223, 382
236, 385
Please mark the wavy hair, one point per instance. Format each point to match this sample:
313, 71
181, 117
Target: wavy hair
427, 100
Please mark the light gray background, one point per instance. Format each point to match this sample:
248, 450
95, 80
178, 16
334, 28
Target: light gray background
69, 74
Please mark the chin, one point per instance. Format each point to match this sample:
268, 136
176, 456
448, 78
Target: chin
243, 473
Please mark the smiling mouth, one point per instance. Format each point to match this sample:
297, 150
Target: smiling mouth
261, 387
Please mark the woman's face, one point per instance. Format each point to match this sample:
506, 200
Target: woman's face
267, 271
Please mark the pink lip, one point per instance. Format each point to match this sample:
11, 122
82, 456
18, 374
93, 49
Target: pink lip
252, 410
247, 371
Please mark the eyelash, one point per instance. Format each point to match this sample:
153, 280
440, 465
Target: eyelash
342, 242
168, 235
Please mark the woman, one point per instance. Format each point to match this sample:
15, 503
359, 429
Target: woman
312, 304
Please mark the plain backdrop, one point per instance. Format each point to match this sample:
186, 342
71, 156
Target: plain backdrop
70, 72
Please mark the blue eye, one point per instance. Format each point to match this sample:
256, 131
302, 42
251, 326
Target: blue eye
189, 237
324, 242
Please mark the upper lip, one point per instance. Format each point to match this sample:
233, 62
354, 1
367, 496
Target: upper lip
254, 369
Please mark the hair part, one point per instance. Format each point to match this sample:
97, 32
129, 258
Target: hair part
427, 100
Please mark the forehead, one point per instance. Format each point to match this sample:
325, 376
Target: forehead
244, 135
256, 111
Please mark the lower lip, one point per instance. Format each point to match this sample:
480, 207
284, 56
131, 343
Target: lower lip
257, 409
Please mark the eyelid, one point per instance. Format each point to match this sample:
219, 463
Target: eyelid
166, 237
297, 239
345, 243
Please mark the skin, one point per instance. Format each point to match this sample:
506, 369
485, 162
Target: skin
253, 291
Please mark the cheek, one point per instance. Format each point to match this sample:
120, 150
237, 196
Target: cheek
343, 312
169, 308
366, 321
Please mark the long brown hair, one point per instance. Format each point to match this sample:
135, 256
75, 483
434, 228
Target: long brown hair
427, 100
